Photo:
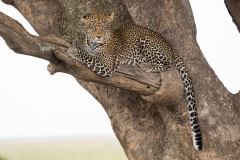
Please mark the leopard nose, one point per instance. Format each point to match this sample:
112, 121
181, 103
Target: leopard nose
99, 37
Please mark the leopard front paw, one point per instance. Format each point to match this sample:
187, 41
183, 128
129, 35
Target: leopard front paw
73, 52
68, 39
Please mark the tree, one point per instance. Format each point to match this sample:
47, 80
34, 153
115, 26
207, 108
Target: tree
147, 110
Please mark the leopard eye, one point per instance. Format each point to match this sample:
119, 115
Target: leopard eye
85, 19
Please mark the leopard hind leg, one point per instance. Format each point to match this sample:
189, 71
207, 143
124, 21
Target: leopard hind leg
148, 67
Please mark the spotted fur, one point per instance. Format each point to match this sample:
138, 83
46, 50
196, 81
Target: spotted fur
105, 49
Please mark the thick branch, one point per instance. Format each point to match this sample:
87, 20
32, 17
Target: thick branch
233, 7
131, 78
20, 41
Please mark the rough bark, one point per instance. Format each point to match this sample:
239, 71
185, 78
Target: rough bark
233, 7
149, 118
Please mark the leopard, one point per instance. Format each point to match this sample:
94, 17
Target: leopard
105, 49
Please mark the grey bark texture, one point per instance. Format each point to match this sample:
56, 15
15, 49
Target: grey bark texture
233, 7
148, 113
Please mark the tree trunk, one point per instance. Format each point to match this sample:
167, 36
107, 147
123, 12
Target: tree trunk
148, 111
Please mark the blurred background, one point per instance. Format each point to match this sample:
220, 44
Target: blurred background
53, 117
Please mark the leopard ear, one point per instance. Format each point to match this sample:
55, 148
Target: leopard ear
84, 18
110, 16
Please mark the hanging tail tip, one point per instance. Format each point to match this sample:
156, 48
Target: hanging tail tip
197, 142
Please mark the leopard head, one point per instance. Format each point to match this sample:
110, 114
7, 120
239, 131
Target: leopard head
98, 27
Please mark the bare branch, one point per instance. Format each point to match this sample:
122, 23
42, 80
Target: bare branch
53, 49
20, 41
128, 77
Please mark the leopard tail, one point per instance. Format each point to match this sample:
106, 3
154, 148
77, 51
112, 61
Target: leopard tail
196, 133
